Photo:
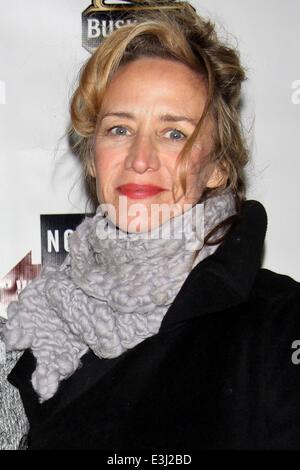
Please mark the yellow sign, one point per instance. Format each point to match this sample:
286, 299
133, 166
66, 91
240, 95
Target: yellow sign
101, 5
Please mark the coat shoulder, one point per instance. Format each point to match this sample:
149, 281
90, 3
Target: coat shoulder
278, 297
274, 286
275, 300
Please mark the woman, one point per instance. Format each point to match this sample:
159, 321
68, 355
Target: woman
160, 330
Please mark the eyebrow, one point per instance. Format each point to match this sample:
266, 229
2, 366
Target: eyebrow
174, 118
163, 117
120, 114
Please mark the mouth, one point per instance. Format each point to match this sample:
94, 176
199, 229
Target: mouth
139, 191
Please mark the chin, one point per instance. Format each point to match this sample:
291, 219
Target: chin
139, 215
134, 224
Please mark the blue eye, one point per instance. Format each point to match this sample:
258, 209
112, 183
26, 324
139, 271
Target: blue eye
175, 134
119, 130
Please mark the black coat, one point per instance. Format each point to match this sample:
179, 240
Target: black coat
218, 375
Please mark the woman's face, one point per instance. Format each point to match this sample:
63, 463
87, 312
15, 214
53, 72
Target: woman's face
150, 108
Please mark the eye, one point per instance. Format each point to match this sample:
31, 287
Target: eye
118, 130
175, 134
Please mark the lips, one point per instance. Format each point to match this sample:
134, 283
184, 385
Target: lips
139, 191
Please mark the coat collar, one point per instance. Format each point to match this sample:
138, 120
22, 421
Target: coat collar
225, 278
220, 281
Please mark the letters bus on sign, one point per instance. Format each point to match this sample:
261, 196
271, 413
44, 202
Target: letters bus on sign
100, 19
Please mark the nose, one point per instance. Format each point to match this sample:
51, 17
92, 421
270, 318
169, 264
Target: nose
142, 155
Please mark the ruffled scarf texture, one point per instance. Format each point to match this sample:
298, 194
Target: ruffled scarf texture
111, 292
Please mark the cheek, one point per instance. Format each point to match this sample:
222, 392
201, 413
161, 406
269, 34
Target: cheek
105, 161
102, 173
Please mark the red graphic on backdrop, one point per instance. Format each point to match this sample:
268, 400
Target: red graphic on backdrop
17, 278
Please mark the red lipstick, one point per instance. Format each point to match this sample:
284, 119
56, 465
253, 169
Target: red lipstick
139, 191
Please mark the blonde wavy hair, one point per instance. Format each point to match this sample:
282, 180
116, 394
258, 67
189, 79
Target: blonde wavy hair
184, 36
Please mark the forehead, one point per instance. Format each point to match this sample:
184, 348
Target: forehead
149, 80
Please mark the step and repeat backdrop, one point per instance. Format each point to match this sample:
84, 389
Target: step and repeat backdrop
43, 44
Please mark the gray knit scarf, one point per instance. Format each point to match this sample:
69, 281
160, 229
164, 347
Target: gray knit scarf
110, 293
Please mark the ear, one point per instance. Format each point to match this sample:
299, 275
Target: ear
217, 178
